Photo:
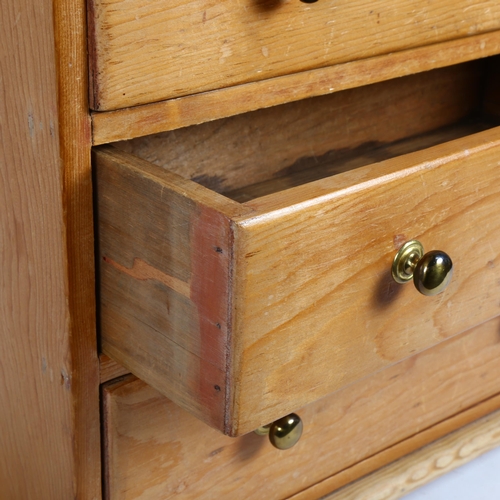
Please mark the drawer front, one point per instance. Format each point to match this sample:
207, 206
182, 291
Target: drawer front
144, 51
317, 307
153, 449
243, 313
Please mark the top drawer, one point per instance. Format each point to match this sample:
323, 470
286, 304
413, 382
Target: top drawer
144, 51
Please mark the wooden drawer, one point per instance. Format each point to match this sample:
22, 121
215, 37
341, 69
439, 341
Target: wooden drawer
244, 312
154, 449
142, 51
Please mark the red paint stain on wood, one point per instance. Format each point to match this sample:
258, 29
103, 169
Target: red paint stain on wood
210, 275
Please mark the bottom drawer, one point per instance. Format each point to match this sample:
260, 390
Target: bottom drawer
154, 449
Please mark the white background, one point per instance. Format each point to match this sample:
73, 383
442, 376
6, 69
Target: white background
477, 480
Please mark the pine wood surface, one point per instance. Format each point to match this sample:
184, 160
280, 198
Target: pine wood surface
49, 416
340, 312
153, 448
298, 138
173, 114
413, 471
144, 52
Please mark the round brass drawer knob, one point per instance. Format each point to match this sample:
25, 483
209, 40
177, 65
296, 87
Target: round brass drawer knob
431, 272
284, 432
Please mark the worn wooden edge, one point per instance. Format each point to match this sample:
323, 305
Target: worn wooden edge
399, 450
174, 182
127, 123
109, 369
426, 464
75, 143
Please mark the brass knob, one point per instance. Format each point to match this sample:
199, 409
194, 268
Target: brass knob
284, 432
431, 272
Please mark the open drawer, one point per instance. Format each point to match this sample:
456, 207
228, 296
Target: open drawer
243, 311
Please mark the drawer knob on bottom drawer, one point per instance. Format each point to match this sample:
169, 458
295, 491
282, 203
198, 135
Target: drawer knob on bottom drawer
431, 272
284, 432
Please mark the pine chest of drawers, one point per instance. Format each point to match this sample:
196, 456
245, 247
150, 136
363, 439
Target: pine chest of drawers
244, 264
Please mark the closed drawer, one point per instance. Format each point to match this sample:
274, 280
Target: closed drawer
244, 312
142, 51
154, 449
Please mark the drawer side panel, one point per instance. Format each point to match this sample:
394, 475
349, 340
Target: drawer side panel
164, 255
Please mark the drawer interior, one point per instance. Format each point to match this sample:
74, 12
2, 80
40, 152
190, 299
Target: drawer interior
266, 151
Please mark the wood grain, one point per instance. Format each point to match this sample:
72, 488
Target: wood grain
75, 141
144, 52
165, 247
173, 114
406, 475
314, 261
49, 439
233, 153
110, 369
154, 448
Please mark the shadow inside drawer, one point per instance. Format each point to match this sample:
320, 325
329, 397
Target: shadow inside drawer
262, 152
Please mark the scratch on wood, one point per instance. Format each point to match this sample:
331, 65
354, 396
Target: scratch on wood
31, 124
141, 270
399, 240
